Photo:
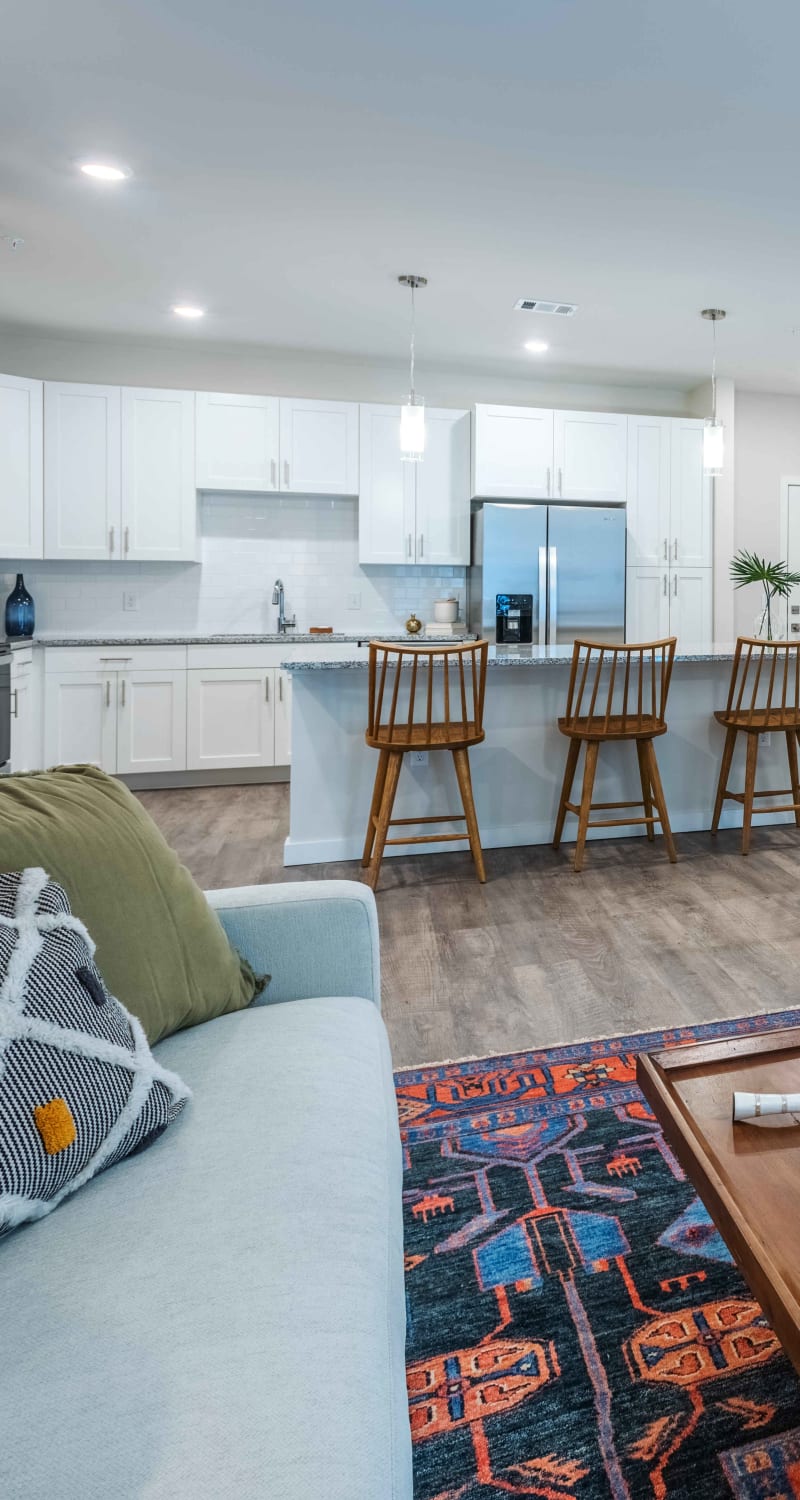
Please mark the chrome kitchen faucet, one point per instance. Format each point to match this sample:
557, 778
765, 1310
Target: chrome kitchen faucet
277, 598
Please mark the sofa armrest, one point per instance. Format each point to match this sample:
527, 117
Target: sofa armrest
315, 938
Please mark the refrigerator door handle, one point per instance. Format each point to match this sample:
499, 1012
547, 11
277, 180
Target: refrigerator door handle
542, 595
553, 621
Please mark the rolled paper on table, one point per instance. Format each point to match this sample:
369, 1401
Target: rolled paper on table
753, 1106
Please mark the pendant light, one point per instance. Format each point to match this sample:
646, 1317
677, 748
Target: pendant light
412, 415
713, 432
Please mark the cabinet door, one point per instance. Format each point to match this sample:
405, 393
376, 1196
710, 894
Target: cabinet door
691, 497
386, 506
230, 718
691, 602
649, 442
442, 515
80, 719
512, 453
159, 500
590, 456
237, 442
319, 447
23, 756
81, 471
283, 718
151, 721
21, 499
647, 604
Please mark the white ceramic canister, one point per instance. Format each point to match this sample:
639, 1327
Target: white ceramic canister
445, 611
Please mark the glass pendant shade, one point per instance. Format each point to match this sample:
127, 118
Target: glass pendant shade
713, 449
412, 429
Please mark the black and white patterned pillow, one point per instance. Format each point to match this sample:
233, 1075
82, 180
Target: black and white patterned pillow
79, 1086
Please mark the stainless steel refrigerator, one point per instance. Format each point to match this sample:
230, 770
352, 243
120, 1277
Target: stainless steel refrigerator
566, 563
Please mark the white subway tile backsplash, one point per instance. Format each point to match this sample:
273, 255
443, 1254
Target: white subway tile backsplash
311, 543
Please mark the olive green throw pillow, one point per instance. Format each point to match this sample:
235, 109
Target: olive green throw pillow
160, 947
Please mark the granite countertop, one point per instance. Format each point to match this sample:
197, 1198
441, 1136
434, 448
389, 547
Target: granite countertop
264, 638
509, 656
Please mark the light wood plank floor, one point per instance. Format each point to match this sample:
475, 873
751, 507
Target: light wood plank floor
538, 955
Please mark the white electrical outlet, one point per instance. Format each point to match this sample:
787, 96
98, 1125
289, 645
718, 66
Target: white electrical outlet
130, 600
353, 601
419, 757
765, 739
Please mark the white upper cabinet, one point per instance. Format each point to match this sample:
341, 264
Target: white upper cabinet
414, 512
590, 456
442, 485
237, 442
318, 447
21, 525
691, 496
649, 446
81, 471
159, 500
387, 505
512, 455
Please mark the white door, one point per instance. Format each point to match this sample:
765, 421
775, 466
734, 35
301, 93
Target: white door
21, 500
590, 456
23, 756
230, 718
691, 603
442, 515
647, 604
151, 721
159, 499
81, 471
691, 498
386, 506
319, 447
80, 719
512, 453
648, 513
283, 718
237, 442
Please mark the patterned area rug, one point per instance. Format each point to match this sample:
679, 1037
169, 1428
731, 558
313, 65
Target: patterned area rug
576, 1327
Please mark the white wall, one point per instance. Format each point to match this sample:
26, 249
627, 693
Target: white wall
247, 542
767, 451
192, 364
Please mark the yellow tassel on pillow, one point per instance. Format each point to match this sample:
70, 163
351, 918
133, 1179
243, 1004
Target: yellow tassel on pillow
55, 1125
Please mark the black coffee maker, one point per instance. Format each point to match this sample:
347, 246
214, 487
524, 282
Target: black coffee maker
514, 621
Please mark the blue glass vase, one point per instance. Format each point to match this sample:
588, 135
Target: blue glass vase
20, 614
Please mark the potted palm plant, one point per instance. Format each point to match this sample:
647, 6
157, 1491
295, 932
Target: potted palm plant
775, 579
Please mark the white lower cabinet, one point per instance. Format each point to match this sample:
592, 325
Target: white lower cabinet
80, 719
25, 754
283, 718
151, 721
664, 601
124, 711
230, 718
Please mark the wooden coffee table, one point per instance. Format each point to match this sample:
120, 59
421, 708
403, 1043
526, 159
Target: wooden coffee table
748, 1175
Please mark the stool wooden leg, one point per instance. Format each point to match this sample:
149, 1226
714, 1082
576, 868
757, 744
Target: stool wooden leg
590, 766
647, 797
749, 788
566, 788
791, 748
377, 797
654, 777
724, 773
461, 762
393, 764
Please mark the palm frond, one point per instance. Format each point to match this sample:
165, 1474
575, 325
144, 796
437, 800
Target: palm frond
775, 577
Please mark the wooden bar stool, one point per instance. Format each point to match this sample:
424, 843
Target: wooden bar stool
630, 706
446, 714
764, 695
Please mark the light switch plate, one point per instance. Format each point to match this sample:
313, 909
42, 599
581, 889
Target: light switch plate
130, 600
419, 757
353, 601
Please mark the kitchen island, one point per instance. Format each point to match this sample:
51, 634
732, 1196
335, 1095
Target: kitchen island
518, 769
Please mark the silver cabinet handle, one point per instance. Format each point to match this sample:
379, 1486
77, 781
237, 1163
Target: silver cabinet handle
122, 691
666, 586
266, 689
15, 709
127, 541
560, 483
542, 595
421, 544
111, 539
553, 621
108, 692
675, 585
548, 479
409, 552
286, 471
280, 686
675, 550
666, 549
115, 658
273, 473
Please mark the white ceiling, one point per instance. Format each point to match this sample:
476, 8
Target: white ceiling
290, 159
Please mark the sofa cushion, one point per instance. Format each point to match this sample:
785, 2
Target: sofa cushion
161, 949
79, 1087
223, 1319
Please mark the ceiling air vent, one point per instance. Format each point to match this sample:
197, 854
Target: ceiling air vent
534, 304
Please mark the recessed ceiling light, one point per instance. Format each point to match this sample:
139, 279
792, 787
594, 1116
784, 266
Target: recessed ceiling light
185, 310
537, 346
104, 171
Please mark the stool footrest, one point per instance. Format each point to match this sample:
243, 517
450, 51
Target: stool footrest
429, 838
785, 791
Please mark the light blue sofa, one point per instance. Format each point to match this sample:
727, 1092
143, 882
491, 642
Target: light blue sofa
222, 1318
